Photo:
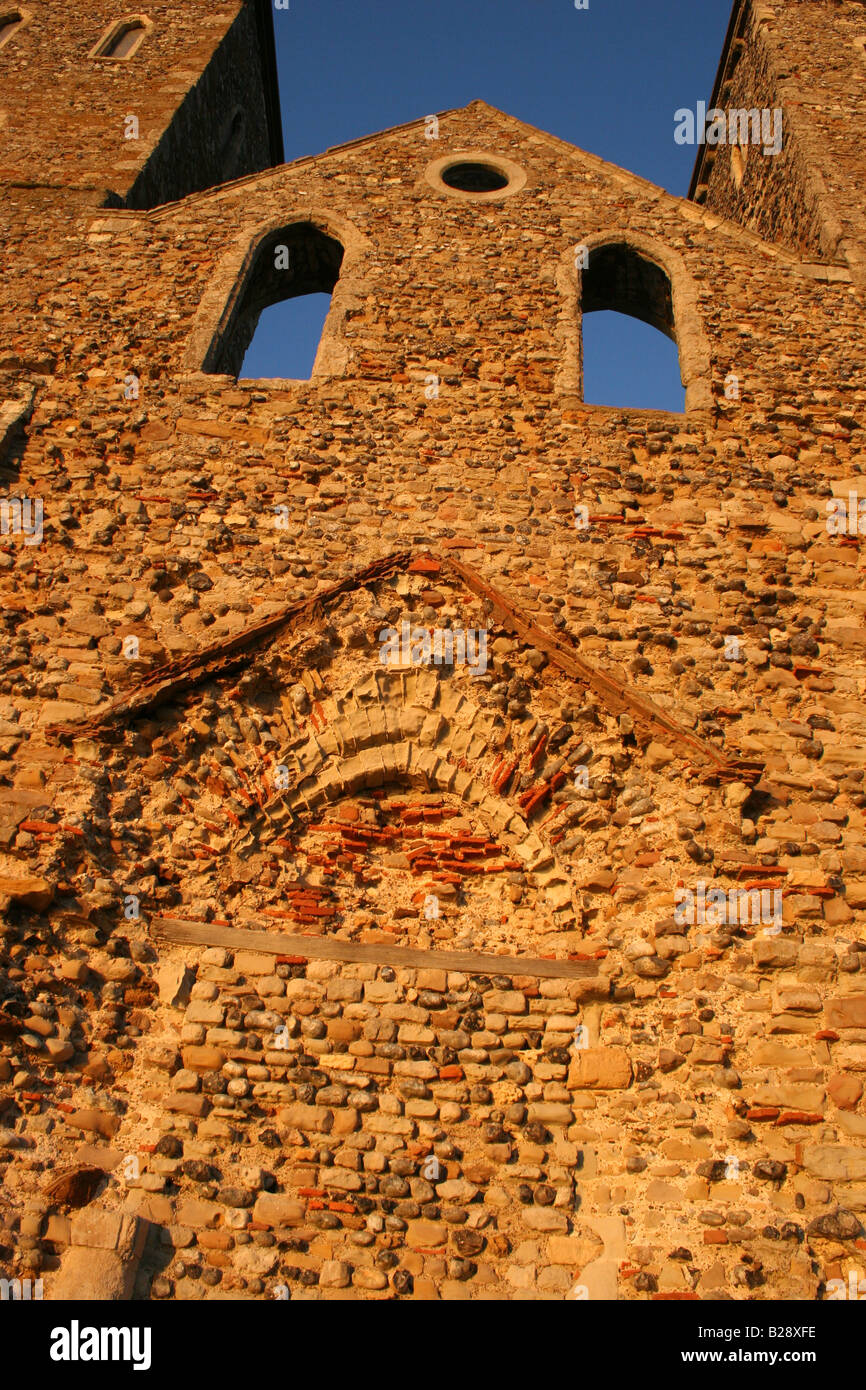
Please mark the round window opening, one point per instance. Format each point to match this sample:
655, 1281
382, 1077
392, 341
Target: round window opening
471, 177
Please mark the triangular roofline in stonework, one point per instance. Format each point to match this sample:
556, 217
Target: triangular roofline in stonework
225, 654
683, 208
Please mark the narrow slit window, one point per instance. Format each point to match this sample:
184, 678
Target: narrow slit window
123, 39
126, 42
10, 21
629, 346
231, 145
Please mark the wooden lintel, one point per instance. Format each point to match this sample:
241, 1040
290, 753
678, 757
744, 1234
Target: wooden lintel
182, 933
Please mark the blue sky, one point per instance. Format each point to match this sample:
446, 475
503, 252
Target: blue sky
607, 78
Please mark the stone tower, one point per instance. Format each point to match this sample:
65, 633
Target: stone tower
445, 794
807, 59
188, 100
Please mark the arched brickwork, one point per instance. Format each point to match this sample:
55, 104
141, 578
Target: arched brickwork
681, 1075
392, 729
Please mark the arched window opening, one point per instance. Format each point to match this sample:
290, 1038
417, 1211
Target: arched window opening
286, 339
123, 38
625, 360
264, 333
10, 20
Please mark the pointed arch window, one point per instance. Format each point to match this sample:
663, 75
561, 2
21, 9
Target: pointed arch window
123, 39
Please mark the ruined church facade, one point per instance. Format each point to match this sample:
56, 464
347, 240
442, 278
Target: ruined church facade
431, 806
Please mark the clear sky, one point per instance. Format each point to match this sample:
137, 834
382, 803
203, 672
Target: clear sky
607, 78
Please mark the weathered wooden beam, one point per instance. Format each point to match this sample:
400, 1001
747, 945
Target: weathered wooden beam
617, 697
181, 933
218, 658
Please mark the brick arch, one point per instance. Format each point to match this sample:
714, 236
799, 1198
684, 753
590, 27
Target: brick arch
683, 322
220, 305
413, 727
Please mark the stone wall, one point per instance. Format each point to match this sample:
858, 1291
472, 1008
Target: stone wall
362, 977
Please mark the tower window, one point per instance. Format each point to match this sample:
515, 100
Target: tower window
286, 339
739, 155
123, 38
10, 20
231, 144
